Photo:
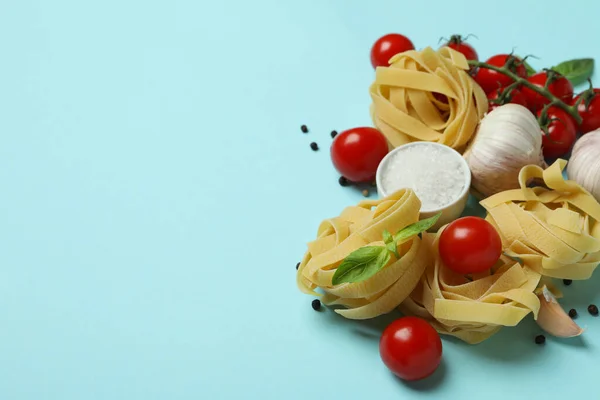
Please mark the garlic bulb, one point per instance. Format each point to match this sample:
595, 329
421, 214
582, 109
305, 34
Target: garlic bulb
584, 164
508, 138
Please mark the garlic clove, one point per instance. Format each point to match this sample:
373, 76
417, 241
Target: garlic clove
553, 319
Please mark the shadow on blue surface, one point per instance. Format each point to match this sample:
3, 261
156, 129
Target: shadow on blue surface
579, 341
520, 338
431, 382
473, 208
359, 187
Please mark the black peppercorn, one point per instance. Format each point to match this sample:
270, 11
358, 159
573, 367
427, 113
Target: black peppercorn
314, 146
540, 339
567, 282
343, 181
333, 134
297, 266
593, 310
304, 129
316, 304
572, 313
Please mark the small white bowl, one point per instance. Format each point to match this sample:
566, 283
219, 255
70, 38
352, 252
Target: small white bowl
452, 210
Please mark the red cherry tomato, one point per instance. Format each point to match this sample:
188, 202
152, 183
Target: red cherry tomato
515, 97
590, 113
469, 245
490, 80
411, 348
388, 46
560, 87
356, 153
457, 43
562, 133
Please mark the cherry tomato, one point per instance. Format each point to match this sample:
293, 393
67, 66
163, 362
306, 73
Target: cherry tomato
457, 43
388, 46
590, 113
411, 348
490, 80
356, 153
562, 133
560, 87
469, 245
515, 97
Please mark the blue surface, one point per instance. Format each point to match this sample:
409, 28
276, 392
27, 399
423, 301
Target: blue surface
157, 194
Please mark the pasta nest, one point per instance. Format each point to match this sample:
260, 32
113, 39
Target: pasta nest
360, 226
552, 228
473, 307
405, 107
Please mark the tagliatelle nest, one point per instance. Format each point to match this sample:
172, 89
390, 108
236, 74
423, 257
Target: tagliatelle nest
553, 229
475, 307
409, 98
547, 231
359, 226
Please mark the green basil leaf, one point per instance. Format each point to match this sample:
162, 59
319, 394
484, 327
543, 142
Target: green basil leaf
390, 243
577, 71
393, 247
361, 264
416, 228
387, 237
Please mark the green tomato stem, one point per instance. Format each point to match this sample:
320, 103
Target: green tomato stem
554, 101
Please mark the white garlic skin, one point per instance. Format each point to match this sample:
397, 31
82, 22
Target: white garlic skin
584, 164
508, 138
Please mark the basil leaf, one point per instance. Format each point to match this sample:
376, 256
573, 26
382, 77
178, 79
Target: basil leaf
390, 243
416, 228
361, 264
393, 247
577, 71
387, 237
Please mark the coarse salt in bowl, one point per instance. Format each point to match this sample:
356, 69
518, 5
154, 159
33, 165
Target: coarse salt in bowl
438, 174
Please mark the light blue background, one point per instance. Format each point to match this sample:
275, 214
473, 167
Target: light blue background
156, 194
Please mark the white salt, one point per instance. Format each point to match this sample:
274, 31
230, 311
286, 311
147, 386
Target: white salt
436, 174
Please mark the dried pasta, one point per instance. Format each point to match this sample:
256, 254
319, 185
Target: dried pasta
356, 227
405, 108
547, 231
553, 229
473, 308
